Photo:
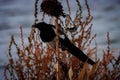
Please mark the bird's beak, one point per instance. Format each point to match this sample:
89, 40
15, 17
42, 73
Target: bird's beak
33, 26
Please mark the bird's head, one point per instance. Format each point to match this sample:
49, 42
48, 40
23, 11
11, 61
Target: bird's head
40, 26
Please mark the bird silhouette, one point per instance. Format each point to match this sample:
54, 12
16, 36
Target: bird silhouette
47, 34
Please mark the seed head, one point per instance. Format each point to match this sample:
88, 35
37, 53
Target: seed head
52, 8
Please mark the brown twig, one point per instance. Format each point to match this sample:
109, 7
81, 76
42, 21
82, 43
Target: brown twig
80, 8
57, 50
68, 7
43, 16
36, 11
22, 40
88, 9
108, 42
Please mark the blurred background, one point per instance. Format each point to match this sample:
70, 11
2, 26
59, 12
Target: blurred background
16, 13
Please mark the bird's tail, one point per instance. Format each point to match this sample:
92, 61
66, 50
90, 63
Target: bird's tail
76, 51
79, 54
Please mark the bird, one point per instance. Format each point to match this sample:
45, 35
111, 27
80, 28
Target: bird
48, 35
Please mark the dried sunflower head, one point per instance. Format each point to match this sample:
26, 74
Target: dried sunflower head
52, 8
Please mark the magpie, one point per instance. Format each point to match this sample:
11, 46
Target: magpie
48, 35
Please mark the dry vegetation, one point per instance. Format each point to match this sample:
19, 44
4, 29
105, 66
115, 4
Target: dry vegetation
37, 61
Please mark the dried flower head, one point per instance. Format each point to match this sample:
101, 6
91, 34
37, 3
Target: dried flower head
52, 8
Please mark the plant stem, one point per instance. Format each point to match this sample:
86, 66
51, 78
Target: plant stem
57, 49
